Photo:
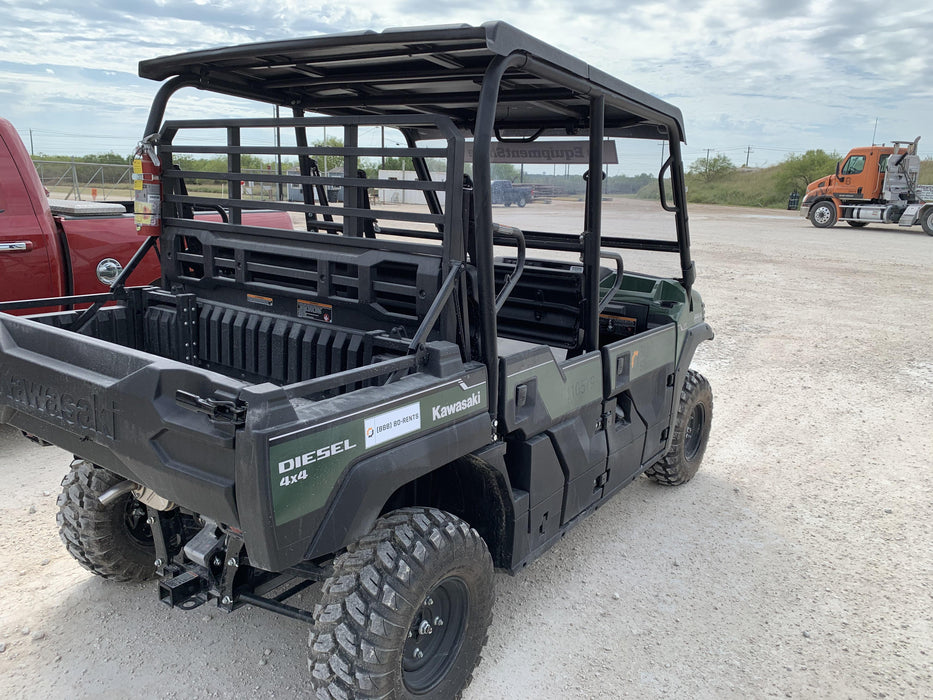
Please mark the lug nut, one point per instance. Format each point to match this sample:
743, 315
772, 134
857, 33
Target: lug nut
438, 622
158, 562
429, 601
425, 627
232, 562
226, 600
150, 520
417, 653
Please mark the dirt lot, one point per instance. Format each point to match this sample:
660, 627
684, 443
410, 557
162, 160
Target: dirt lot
796, 564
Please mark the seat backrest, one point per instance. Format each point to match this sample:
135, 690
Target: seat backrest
546, 305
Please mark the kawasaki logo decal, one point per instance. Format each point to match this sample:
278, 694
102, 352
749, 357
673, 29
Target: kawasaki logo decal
450, 409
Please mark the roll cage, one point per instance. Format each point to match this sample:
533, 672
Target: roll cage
443, 83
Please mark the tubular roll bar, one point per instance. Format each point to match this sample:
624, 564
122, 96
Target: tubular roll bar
484, 128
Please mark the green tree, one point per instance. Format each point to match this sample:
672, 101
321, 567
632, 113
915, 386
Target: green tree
797, 171
396, 163
712, 168
504, 171
627, 184
328, 163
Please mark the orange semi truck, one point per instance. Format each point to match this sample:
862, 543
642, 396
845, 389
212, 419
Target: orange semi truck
873, 185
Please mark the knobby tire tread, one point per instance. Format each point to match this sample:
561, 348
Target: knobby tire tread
362, 612
672, 470
86, 526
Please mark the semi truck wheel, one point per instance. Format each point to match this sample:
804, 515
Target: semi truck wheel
857, 224
691, 433
406, 611
113, 541
823, 214
926, 221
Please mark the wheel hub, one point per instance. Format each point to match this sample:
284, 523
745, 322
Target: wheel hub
822, 215
435, 636
136, 522
693, 434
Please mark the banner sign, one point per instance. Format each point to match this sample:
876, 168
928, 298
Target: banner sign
537, 152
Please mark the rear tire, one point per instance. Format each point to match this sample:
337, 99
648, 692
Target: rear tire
522, 201
857, 224
691, 433
926, 221
823, 214
406, 611
112, 541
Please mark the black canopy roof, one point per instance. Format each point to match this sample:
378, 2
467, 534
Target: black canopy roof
436, 70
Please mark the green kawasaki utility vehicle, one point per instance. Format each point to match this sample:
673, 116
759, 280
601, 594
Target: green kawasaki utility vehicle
371, 399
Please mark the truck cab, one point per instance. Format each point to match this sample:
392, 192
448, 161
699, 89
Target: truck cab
877, 184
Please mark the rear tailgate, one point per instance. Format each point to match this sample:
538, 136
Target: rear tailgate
116, 407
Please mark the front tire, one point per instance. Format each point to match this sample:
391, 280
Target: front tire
691, 433
406, 611
823, 214
926, 221
112, 541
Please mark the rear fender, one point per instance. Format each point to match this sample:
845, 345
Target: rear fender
369, 483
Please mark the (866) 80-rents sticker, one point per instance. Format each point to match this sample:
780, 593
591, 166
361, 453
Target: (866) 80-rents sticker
392, 424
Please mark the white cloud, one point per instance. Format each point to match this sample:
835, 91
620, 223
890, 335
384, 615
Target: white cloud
774, 74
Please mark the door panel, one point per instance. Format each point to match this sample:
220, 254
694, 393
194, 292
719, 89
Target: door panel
637, 374
25, 266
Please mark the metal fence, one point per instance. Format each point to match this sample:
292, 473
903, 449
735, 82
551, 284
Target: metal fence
85, 181
97, 181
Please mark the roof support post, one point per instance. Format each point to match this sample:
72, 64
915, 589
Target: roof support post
678, 187
482, 198
167, 89
591, 236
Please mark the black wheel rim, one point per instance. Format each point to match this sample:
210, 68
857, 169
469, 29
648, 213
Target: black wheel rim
135, 516
693, 435
435, 636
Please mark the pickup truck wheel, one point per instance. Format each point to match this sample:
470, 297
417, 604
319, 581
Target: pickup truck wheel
691, 432
522, 201
823, 214
406, 612
112, 541
926, 221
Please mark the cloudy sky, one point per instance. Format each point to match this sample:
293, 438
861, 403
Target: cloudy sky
778, 76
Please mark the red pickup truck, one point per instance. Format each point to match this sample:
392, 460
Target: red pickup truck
55, 248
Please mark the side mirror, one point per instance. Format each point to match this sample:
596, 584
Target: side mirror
838, 166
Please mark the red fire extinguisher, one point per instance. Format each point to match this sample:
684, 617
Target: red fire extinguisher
147, 189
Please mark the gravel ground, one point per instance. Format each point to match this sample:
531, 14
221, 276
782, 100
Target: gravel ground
796, 564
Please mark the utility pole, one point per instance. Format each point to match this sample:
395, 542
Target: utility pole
747, 154
32, 151
707, 162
